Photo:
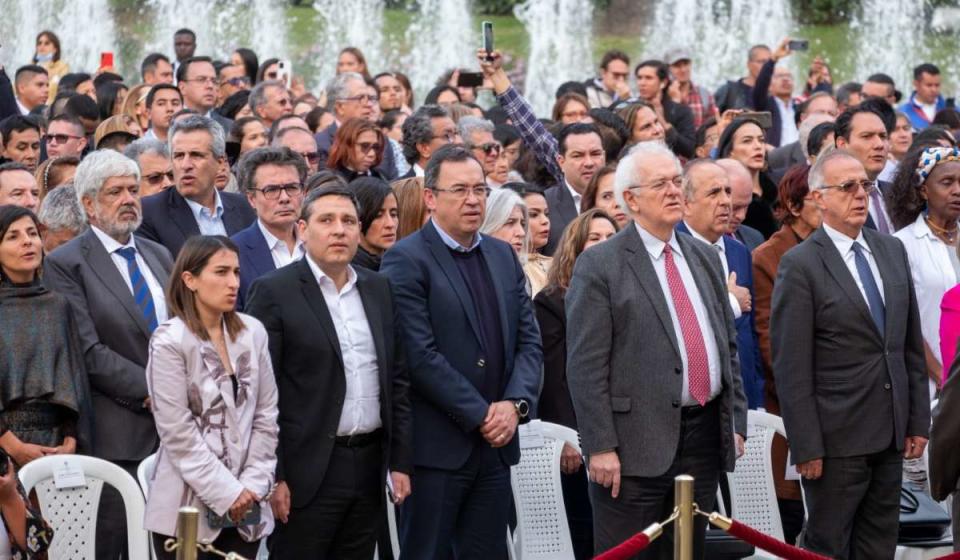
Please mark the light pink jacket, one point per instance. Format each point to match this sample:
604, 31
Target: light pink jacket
211, 446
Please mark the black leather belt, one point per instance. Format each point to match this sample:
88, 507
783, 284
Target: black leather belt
360, 440
696, 410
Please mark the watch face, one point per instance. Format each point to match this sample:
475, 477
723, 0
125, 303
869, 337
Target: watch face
523, 408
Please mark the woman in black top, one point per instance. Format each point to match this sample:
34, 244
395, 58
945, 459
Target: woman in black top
357, 149
379, 220
745, 141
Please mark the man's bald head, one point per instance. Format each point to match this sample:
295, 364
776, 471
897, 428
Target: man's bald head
741, 190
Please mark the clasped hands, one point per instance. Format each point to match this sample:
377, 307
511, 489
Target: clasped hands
500, 423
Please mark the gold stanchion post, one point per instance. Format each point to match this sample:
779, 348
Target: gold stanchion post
187, 520
683, 531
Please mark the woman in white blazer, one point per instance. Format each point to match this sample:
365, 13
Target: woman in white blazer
214, 400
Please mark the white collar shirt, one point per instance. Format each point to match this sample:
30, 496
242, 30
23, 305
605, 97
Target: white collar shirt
844, 245
720, 246
111, 245
210, 223
282, 256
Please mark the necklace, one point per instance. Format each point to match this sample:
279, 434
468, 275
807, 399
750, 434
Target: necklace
948, 235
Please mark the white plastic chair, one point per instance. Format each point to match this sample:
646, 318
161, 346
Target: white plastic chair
542, 531
144, 474
392, 527
73, 512
753, 497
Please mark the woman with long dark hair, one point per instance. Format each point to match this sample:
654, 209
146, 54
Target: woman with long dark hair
744, 140
214, 400
248, 59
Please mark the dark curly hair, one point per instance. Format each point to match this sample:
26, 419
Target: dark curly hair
903, 199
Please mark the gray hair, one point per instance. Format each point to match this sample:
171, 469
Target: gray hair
468, 125
418, 129
252, 160
337, 87
500, 205
688, 171
61, 210
807, 126
194, 123
144, 146
258, 95
628, 172
99, 166
815, 177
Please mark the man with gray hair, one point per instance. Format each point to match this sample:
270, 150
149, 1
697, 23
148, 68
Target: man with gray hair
114, 281
741, 195
269, 101
302, 142
195, 206
848, 361
61, 217
478, 137
156, 169
652, 367
348, 97
424, 132
272, 180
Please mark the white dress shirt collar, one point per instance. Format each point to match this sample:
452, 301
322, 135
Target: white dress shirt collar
696, 235
452, 243
654, 245
202, 212
23, 109
577, 197
325, 281
111, 244
282, 256
844, 242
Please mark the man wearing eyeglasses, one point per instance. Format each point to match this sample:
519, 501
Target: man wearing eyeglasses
197, 80
65, 137
232, 78
272, 179
477, 137
424, 132
302, 142
848, 360
475, 356
862, 131
349, 97
156, 169
269, 101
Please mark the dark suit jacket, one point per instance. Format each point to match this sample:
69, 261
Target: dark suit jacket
563, 210
168, 220
682, 136
845, 388
884, 187
749, 237
786, 156
255, 259
555, 403
944, 436
442, 337
306, 357
751, 372
115, 339
623, 360
325, 138
223, 121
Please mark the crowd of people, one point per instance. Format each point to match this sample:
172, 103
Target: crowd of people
292, 297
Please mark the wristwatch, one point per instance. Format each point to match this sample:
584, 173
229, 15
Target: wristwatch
523, 408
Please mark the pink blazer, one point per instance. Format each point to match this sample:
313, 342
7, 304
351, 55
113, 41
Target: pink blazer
212, 446
949, 327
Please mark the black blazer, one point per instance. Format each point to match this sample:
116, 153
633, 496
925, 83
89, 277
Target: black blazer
168, 220
308, 365
563, 210
555, 404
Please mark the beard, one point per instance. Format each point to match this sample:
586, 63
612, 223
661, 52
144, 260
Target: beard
114, 226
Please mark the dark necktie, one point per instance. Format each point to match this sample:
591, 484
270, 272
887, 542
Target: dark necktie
141, 292
698, 365
874, 301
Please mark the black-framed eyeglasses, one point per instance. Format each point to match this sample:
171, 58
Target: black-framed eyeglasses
848, 187
463, 192
272, 192
157, 178
60, 138
490, 148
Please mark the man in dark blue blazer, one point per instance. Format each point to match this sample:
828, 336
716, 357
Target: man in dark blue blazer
707, 215
272, 179
349, 98
474, 355
194, 206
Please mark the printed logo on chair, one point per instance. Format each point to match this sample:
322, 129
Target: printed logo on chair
68, 474
531, 434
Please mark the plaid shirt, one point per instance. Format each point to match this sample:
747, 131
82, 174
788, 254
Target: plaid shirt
534, 134
702, 108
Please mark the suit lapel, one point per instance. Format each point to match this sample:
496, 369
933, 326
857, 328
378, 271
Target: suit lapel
568, 207
182, 216
442, 254
888, 274
837, 268
103, 266
153, 263
231, 216
314, 297
260, 252
372, 309
642, 267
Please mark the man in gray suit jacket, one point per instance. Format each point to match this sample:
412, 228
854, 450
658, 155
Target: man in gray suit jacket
652, 367
114, 282
849, 367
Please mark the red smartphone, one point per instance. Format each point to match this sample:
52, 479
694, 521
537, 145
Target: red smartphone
106, 59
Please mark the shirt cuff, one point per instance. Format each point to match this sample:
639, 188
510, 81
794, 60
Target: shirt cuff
735, 305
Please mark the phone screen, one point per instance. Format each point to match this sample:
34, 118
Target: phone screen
106, 60
488, 38
799, 45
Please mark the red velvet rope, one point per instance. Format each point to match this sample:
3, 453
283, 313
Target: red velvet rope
627, 548
770, 544
953, 556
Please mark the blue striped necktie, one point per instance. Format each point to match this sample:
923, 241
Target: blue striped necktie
141, 292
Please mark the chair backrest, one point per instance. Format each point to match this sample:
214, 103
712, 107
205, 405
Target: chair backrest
73, 512
145, 473
753, 497
542, 530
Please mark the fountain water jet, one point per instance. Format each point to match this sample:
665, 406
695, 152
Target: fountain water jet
358, 23
441, 37
560, 46
892, 35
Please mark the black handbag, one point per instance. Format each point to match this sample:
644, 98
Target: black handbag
921, 518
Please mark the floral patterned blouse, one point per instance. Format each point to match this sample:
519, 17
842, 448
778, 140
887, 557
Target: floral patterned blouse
39, 533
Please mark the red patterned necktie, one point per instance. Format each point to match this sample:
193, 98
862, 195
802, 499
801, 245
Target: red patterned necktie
698, 369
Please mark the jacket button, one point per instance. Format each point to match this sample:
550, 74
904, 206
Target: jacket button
676, 404
481, 363
678, 370
886, 386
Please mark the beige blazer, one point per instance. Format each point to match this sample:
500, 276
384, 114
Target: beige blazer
212, 446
